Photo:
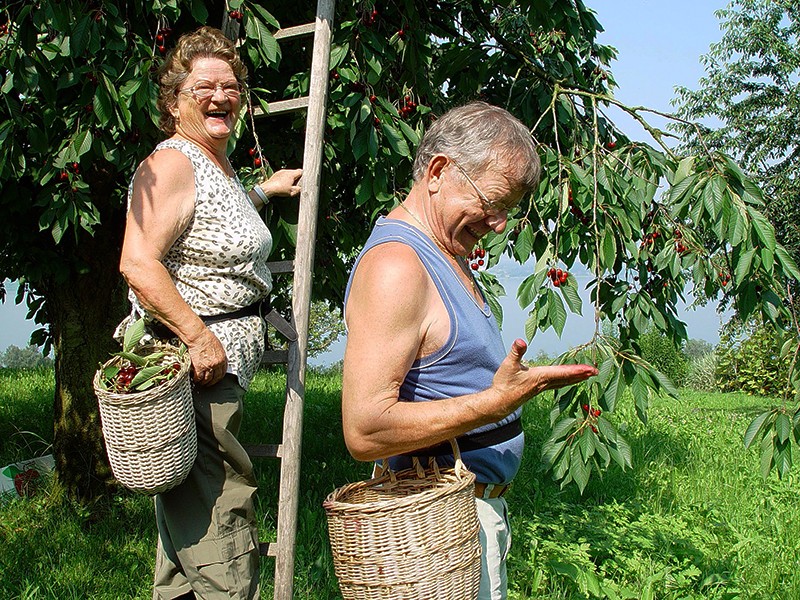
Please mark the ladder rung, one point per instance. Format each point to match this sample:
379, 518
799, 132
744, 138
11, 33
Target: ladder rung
268, 549
296, 31
275, 357
281, 106
281, 267
264, 450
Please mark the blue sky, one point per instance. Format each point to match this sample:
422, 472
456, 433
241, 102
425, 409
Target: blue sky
659, 44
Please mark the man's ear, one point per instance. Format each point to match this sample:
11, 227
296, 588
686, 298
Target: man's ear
435, 171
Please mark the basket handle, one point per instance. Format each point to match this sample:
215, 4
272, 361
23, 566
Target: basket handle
459, 467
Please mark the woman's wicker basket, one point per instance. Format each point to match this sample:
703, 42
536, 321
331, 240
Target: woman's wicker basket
150, 435
409, 535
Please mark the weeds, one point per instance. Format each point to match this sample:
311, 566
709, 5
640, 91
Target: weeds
692, 519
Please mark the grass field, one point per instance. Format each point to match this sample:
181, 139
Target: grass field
692, 519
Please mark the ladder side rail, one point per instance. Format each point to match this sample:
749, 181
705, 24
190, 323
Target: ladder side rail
301, 302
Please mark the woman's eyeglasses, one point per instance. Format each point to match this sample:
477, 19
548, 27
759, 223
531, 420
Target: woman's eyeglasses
203, 90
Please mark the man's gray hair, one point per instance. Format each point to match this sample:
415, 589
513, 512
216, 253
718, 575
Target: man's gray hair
479, 137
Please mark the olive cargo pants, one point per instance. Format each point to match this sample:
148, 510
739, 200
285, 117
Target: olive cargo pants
207, 535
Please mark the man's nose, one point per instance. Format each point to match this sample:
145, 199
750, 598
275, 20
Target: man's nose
498, 222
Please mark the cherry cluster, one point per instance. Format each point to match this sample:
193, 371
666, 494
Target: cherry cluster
236, 15
476, 258
64, 176
359, 87
680, 248
558, 276
256, 159
724, 278
592, 413
576, 210
125, 376
408, 107
650, 239
369, 18
161, 38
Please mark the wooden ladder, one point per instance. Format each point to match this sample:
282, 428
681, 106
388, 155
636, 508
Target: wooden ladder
289, 450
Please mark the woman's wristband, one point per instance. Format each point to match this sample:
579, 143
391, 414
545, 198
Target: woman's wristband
260, 193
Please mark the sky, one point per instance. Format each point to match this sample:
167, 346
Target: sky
659, 47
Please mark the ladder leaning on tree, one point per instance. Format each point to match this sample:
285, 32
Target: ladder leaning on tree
288, 451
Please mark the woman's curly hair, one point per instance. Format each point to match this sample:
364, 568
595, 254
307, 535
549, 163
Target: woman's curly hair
206, 42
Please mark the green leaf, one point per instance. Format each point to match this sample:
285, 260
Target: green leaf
766, 454
609, 248
556, 312
396, 141
763, 228
145, 374
578, 469
570, 292
755, 428
787, 262
783, 427
133, 335
742, 269
684, 168
562, 428
551, 451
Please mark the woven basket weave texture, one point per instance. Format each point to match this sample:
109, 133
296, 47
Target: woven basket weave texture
410, 535
150, 436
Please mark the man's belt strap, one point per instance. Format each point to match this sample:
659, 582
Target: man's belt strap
475, 441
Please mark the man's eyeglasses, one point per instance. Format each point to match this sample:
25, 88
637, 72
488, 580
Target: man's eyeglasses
489, 207
203, 90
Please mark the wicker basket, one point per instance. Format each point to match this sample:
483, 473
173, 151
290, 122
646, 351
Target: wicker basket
150, 435
409, 535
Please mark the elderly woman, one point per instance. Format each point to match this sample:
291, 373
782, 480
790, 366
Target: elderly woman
194, 257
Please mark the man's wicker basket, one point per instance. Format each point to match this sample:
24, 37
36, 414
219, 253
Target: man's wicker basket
150, 435
409, 535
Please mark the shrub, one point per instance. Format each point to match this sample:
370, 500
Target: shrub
701, 375
749, 359
661, 352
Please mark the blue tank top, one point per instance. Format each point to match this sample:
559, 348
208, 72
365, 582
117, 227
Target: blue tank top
465, 364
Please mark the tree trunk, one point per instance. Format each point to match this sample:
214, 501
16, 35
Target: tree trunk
83, 311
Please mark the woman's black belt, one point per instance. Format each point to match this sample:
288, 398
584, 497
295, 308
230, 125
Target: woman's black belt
261, 307
474, 441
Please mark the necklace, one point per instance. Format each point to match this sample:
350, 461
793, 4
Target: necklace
457, 259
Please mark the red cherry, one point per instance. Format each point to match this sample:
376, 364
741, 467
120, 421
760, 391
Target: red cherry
474, 266
400, 33
594, 429
373, 98
376, 121
585, 408
480, 262
257, 161
557, 283
162, 49
611, 145
564, 277
481, 252
160, 37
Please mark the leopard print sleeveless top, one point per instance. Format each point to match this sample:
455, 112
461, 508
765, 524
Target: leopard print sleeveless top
218, 263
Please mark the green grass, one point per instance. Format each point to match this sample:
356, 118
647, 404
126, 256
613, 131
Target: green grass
692, 519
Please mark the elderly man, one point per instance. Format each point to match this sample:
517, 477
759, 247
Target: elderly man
424, 360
